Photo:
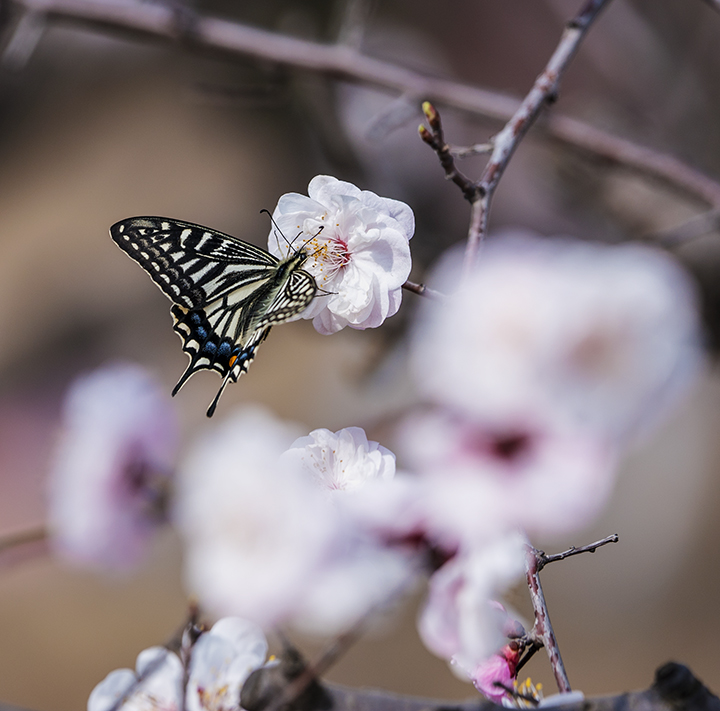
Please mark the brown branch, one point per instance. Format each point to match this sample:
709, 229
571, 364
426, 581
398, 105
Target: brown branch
544, 559
435, 138
422, 290
161, 22
696, 226
543, 630
31, 535
506, 142
17, 548
675, 689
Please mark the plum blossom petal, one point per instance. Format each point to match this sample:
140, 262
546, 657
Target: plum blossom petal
155, 685
479, 479
496, 674
111, 467
358, 251
220, 662
255, 533
460, 620
342, 461
564, 332
265, 541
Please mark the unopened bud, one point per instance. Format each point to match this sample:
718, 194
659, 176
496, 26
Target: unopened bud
431, 115
425, 135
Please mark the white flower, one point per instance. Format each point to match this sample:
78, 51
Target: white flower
342, 461
110, 469
478, 480
220, 662
155, 685
361, 256
265, 541
255, 533
555, 331
460, 622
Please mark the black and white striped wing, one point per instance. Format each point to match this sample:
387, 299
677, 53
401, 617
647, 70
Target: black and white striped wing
193, 265
226, 293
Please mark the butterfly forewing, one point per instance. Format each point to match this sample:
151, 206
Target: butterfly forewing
226, 293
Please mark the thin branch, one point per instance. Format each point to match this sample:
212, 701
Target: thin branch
544, 559
696, 226
478, 149
543, 629
435, 138
31, 535
160, 21
422, 290
505, 143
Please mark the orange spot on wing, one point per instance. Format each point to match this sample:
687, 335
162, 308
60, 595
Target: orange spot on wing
232, 361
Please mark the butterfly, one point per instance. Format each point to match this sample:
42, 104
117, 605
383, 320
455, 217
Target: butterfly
226, 293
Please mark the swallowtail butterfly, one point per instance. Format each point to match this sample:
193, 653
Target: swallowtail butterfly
226, 293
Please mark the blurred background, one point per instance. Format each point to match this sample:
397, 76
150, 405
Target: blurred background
96, 127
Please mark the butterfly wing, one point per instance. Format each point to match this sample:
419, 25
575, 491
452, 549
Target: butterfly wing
192, 265
226, 293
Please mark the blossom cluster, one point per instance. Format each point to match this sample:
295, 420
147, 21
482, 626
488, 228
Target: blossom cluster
534, 371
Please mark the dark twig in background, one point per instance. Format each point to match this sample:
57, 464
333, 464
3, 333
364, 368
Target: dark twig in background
505, 143
156, 20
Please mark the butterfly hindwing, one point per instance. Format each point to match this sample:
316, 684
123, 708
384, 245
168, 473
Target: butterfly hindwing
226, 293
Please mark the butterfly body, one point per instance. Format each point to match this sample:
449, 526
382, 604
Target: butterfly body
226, 293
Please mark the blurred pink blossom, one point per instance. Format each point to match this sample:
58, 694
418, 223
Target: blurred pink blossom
109, 475
361, 256
497, 673
461, 622
560, 333
265, 541
479, 479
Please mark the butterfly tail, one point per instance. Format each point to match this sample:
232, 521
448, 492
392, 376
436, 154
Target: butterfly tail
216, 399
184, 377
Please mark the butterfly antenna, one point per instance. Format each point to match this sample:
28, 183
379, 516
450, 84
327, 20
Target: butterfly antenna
216, 399
277, 229
311, 238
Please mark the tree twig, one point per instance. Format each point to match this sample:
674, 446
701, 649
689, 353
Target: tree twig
31, 535
505, 143
160, 21
544, 559
543, 630
422, 290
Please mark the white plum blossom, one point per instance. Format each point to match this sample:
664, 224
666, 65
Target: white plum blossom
155, 685
254, 532
358, 250
344, 460
461, 622
563, 333
220, 662
478, 480
111, 467
265, 541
